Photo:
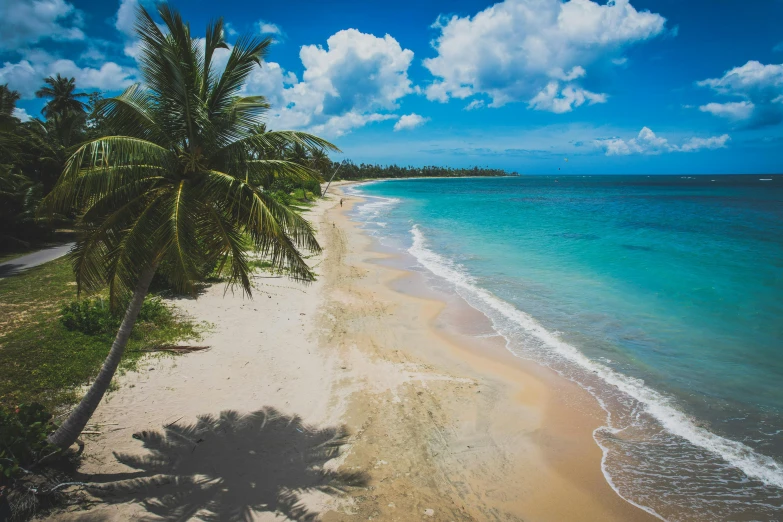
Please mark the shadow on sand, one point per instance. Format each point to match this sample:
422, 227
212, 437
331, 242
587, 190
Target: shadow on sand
228, 466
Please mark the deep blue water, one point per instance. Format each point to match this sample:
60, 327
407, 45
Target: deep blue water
662, 295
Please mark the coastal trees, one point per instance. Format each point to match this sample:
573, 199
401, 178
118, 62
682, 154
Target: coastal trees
16, 206
352, 171
178, 186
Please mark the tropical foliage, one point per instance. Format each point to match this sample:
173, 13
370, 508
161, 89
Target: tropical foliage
351, 171
181, 184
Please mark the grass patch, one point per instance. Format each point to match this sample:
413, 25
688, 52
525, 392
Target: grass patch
45, 362
260, 264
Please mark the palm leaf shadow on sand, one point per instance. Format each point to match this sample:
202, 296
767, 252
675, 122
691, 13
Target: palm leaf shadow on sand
228, 466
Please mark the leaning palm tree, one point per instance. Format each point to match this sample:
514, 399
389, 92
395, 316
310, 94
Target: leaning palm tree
177, 186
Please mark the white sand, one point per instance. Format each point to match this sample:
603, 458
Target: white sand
440, 429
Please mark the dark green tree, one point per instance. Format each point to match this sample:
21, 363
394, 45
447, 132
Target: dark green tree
178, 184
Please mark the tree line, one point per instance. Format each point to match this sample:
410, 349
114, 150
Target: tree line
351, 171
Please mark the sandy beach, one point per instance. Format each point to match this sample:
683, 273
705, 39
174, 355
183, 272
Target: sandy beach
353, 398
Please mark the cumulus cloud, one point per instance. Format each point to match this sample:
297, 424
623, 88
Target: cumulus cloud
694, 144
25, 22
27, 75
732, 110
410, 121
758, 87
356, 80
345, 123
475, 104
269, 28
534, 50
559, 100
21, 114
125, 23
647, 142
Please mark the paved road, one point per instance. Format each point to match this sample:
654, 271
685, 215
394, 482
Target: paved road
20, 264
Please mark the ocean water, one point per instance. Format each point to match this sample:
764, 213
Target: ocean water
662, 296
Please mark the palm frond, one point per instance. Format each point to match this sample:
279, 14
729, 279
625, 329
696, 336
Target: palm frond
247, 53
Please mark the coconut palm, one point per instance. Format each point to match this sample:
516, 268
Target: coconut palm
320, 162
178, 185
64, 112
64, 100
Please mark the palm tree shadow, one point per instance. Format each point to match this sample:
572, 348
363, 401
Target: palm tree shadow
228, 466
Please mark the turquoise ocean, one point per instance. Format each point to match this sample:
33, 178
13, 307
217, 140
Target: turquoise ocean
662, 296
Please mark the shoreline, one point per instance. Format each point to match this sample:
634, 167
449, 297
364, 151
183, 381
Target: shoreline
567, 414
444, 425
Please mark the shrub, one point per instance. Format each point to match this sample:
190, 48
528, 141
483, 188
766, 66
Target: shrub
23, 432
282, 197
91, 317
94, 317
153, 310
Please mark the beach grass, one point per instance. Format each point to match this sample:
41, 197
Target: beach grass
42, 360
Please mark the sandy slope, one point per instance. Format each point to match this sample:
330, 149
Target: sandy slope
367, 406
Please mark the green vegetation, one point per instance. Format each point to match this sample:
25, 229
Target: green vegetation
181, 186
351, 171
51, 345
23, 431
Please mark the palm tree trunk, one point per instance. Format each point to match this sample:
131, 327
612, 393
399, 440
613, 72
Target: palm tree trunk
69, 431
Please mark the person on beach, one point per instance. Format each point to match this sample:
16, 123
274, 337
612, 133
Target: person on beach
341, 202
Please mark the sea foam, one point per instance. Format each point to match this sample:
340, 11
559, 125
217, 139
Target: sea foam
506, 318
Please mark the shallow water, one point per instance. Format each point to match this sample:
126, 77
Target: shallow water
660, 295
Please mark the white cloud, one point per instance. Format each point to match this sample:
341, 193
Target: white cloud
732, 110
25, 22
93, 55
272, 82
694, 144
515, 49
22, 77
410, 121
21, 114
269, 28
647, 142
345, 123
27, 75
125, 23
554, 99
109, 77
354, 81
758, 86
126, 15
475, 104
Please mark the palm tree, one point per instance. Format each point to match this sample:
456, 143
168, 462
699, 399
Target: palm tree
64, 109
63, 98
178, 185
320, 162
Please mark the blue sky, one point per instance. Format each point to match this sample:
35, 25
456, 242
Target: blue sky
629, 86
